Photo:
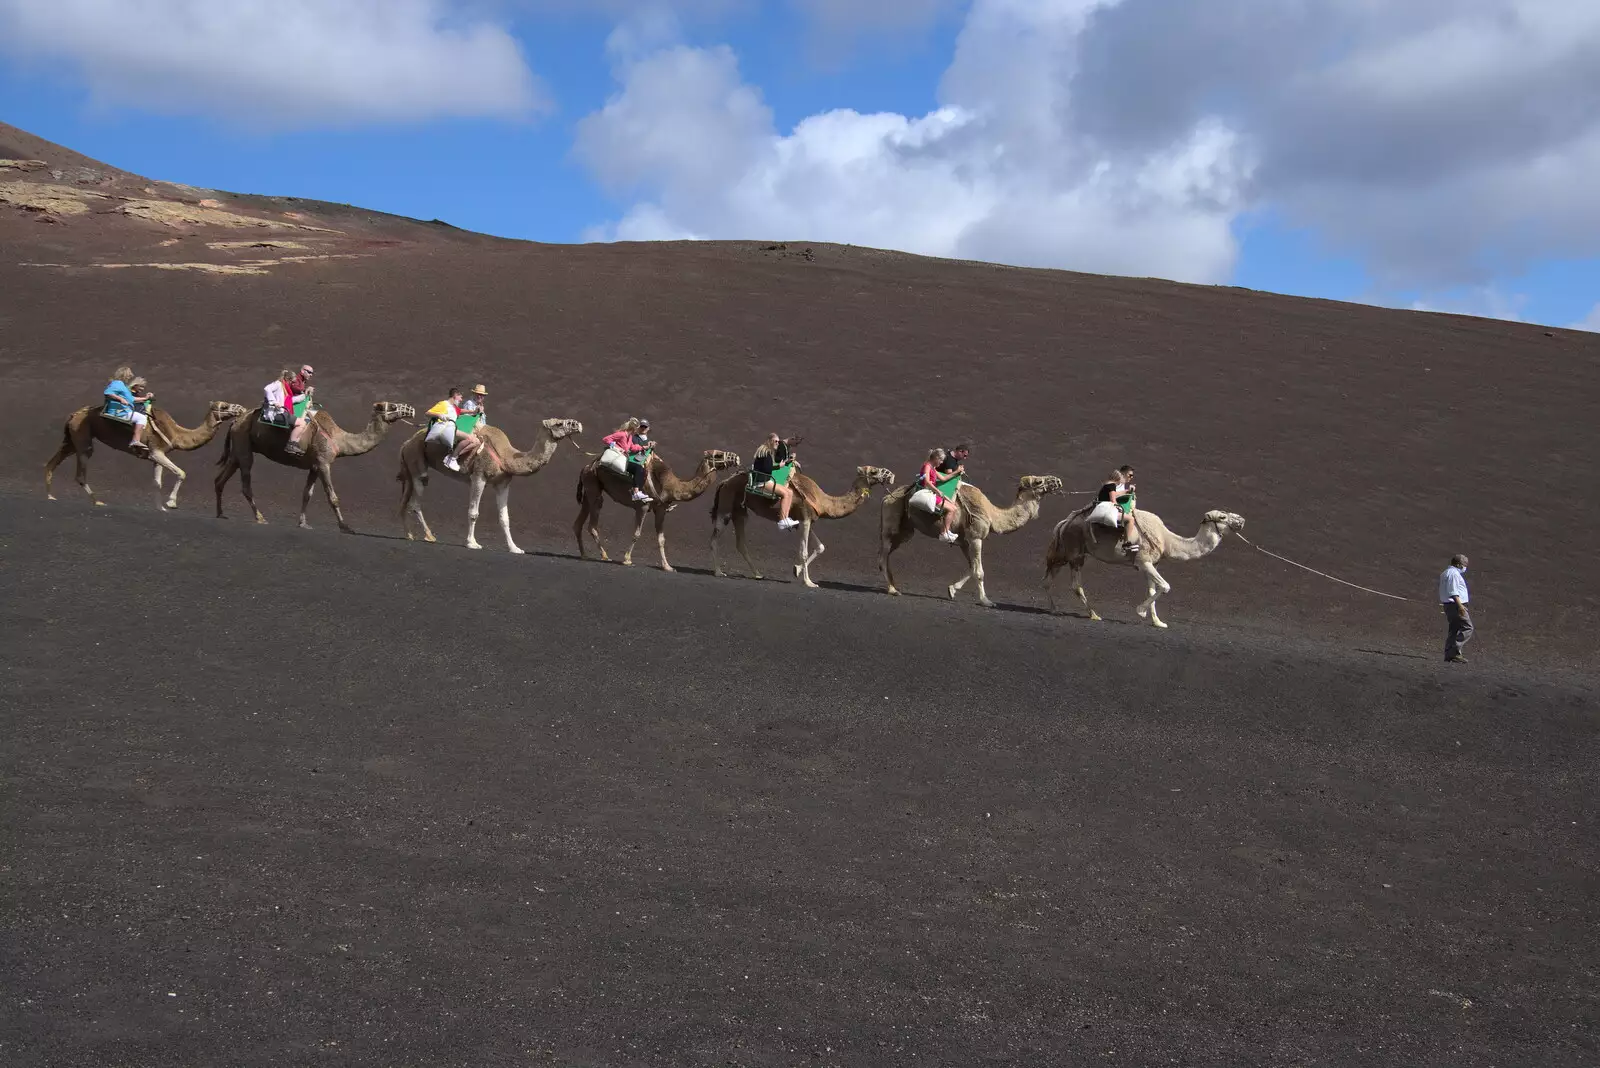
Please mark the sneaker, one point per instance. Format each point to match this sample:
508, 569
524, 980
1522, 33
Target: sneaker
641, 496
788, 524
948, 536
1132, 548
450, 463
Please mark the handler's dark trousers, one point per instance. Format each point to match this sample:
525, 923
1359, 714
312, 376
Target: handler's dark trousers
1460, 630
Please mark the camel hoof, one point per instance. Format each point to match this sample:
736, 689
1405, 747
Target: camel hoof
261, 520
626, 562
49, 496
1095, 616
797, 570
758, 578
668, 568
892, 592
429, 538
986, 603
473, 545
812, 585
1158, 623
514, 551
951, 590
719, 574
343, 530
99, 504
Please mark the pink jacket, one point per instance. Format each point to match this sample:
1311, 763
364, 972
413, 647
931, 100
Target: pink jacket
623, 441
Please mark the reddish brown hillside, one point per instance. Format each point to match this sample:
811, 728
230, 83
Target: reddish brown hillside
1367, 442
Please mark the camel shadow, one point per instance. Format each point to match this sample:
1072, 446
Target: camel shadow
1390, 652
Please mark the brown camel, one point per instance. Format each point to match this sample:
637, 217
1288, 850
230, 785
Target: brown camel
976, 519
162, 434
596, 483
495, 464
250, 437
1075, 540
734, 503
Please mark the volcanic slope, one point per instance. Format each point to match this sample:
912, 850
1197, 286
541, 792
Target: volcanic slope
1365, 442
268, 805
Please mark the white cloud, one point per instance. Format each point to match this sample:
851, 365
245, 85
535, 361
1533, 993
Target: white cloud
281, 62
987, 175
1590, 323
1444, 143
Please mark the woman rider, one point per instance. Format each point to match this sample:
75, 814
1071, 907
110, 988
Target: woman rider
929, 479
633, 439
1118, 491
121, 403
772, 455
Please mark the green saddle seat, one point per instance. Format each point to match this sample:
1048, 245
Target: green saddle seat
780, 477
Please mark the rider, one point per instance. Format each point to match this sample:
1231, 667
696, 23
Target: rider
468, 442
955, 460
633, 439
774, 454
1118, 491
300, 386
278, 401
929, 479
442, 425
122, 404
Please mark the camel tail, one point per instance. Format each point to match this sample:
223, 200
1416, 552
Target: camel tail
405, 489
580, 488
227, 449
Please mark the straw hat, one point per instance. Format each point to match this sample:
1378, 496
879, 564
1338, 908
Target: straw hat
478, 390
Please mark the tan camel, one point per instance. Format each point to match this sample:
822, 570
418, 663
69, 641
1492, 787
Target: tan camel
976, 519
733, 504
495, 464
596, 483
250, 438
1075, 540
162, 434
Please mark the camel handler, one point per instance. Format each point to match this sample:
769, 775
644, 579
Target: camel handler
1114, 506
120, 403
471, 416
1453, 598
770, 471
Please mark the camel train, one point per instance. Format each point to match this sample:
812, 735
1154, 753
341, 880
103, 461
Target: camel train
291, 429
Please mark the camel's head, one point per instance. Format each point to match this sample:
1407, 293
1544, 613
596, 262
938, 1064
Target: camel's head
720, 460
1225, 521
563, 428
1039, 485
221, 410
875, 476
390, 411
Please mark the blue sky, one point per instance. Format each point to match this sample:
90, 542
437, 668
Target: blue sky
1439, 157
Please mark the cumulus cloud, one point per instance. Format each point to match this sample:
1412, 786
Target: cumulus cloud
990, 174
281, 62
1444, 143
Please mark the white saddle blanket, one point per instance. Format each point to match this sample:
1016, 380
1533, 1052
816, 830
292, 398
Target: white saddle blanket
1106, 514
613, 459
925, 500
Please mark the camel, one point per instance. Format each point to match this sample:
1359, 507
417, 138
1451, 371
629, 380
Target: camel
976, 519
495, 464
1074, 540
250, 438
595, 483
162, 434
733, 504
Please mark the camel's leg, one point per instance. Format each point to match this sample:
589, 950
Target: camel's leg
305, 497
803, 568
161, 461
1075, 569
716, 542
54, 462
246, 460
474, 495
502, 504
977, 574
594, 524
414, 508
1157, 586
579, 523
638, 528
885, 550
739, 519
661, 535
